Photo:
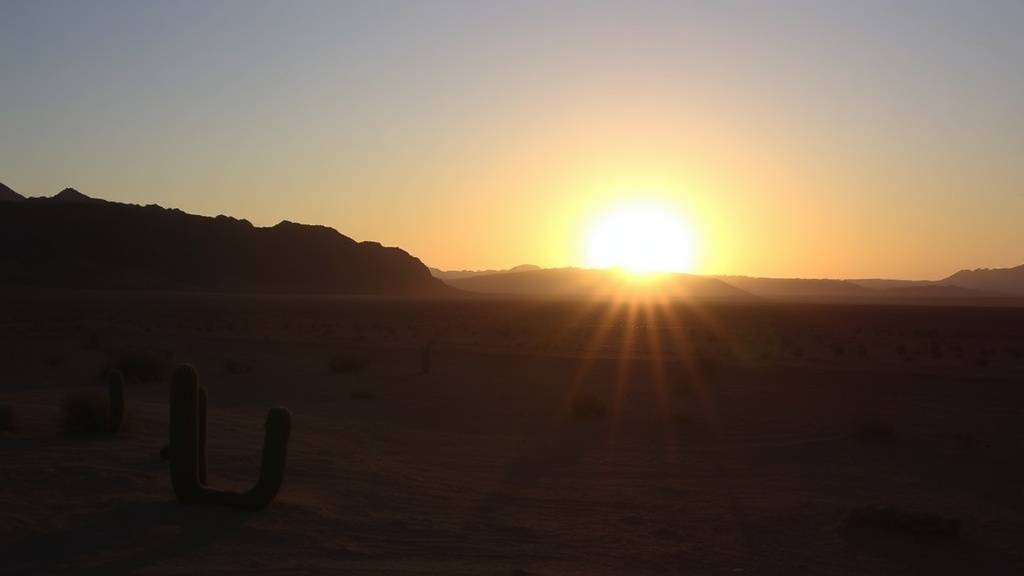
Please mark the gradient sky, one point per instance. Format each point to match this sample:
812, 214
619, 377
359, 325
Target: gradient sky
816, 138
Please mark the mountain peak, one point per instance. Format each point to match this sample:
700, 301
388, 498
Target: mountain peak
71, 195
1009, 280
72, 241
9, 195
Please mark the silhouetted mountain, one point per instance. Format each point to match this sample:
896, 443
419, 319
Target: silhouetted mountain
73, 241
877, 290
937, 291
456, 274
72, 195
1006, 280
886, 283
795, 287
602, 283
8, 195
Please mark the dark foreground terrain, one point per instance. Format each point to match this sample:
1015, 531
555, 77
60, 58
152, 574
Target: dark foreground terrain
542, 437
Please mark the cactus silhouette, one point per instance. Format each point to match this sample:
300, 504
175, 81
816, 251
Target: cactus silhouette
115, 382
188, 449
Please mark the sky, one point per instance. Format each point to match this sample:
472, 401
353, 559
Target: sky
816, 138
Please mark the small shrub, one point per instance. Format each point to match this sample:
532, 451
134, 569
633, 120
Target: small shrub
894, 519
347, 361
85, 413
873, 430
588, 406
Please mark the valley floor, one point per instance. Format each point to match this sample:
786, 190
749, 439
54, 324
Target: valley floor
545, 438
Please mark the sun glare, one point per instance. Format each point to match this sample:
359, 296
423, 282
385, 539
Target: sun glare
641, 237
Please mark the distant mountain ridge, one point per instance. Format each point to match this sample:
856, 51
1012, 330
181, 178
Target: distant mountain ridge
73, 241
9, 195
599, 283
794, 287
456, 274
984, 285
1009, 280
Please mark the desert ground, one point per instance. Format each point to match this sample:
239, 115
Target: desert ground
544, 437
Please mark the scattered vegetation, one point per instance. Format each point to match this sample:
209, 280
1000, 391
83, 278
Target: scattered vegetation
90, 412
895, 519
85, 412
589, 406
187, 450
347, 361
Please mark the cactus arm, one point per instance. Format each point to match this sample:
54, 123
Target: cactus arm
185, 435
201, 438
275, 453
188, 453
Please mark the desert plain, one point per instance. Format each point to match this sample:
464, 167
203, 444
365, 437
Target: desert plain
522, 436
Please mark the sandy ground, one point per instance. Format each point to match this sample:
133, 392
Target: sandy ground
733, 443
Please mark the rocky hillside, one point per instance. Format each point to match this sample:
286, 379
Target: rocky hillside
73, 241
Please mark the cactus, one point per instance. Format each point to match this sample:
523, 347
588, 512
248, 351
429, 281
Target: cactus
115, 383
188, 449
165, 452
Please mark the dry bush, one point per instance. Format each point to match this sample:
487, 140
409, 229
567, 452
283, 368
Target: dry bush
85, 413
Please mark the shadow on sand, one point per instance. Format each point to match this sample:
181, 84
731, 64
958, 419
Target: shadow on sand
123, 540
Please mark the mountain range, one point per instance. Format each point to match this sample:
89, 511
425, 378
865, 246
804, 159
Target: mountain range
982, 284
601, 283
459, 274
73, 241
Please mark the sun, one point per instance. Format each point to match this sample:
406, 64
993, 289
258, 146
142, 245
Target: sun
641, 237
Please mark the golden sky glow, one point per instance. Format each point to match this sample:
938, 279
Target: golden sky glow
813, 139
